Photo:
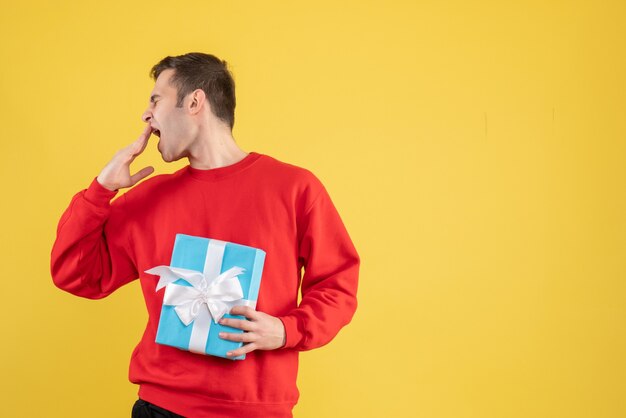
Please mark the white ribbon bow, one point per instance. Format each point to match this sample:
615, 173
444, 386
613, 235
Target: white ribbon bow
217, 294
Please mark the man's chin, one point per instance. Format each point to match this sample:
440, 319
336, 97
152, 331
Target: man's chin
164, 155
168, 158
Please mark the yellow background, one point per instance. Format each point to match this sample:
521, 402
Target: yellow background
475, 151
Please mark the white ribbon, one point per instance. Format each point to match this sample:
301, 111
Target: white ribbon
211, 295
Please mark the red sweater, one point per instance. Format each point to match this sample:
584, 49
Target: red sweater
260, 202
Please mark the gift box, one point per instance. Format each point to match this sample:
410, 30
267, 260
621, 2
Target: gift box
205, 279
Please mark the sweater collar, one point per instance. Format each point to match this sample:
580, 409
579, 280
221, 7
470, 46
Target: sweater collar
221, 172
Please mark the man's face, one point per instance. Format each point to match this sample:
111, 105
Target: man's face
170, 123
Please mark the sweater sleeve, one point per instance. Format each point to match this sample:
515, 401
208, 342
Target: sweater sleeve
91, 257
329, 283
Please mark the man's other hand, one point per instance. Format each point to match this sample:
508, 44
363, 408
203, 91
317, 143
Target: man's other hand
116, 174
262, 331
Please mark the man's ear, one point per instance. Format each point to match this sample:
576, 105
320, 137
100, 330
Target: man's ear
198, 101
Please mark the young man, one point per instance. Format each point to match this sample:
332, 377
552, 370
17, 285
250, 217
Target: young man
224, 194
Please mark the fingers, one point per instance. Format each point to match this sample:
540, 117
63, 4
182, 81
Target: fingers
140, 144
244, 349
240, 337
246, 311
116, 174
143, 173
241, 324
261, 331
147, 131
247, 338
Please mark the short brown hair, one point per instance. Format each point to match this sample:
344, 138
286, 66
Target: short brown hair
197, 70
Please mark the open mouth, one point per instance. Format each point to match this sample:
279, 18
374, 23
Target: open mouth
157, 133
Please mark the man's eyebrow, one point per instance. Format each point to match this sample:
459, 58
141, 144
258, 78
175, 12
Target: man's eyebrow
154, 96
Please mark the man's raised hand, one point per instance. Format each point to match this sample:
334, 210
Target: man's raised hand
116, 174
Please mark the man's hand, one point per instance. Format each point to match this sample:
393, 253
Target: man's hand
264, 332
116, 174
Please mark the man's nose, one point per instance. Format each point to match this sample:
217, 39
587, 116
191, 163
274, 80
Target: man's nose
146, 116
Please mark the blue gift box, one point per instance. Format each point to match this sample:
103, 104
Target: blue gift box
192, 253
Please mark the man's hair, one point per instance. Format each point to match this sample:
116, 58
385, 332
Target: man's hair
197, 70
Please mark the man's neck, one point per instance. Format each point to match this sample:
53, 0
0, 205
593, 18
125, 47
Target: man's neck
214, 148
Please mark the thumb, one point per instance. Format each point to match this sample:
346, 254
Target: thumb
141, 174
